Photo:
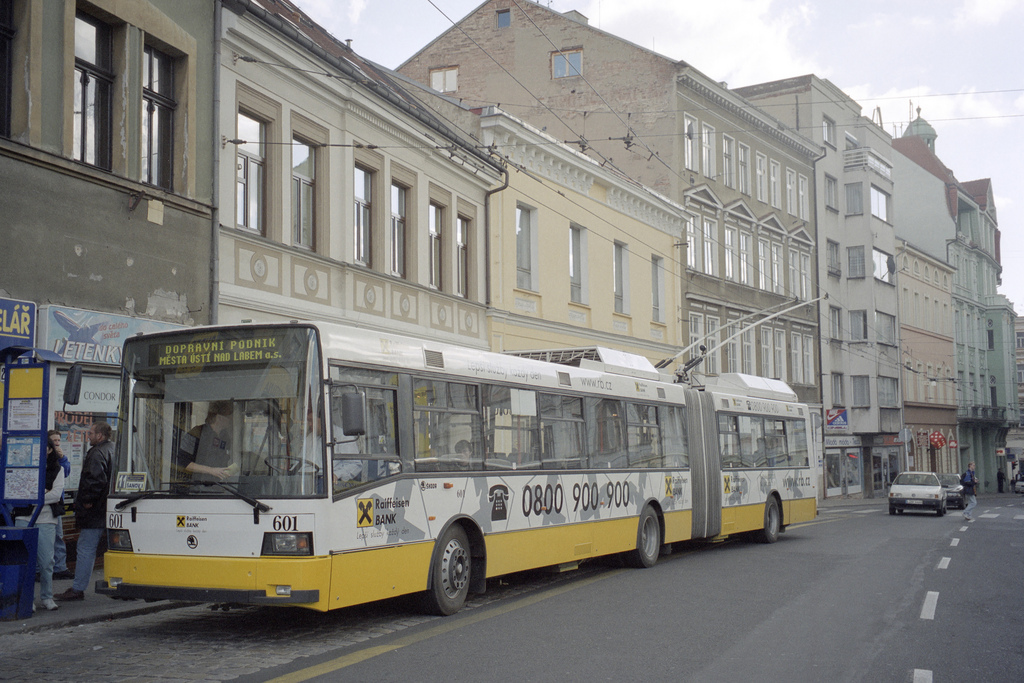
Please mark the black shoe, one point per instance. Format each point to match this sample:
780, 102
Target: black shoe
66, 574
70, 594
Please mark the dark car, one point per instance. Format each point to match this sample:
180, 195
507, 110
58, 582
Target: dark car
954, 491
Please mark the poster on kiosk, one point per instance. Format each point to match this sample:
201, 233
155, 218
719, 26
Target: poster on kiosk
27, 373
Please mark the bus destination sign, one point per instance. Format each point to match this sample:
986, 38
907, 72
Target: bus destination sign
260, 347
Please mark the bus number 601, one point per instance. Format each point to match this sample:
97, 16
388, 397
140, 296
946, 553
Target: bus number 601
286, 523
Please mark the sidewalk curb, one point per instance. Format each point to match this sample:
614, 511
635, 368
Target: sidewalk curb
105, 615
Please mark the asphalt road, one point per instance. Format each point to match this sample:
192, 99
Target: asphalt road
857, 595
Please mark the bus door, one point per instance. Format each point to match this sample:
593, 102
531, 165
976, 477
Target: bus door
705, 464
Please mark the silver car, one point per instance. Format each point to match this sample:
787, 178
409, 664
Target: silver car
917, 491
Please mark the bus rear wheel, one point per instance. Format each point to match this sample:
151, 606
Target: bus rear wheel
772, 522
648, 540
449, 573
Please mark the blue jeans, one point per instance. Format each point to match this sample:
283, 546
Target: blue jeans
88, 542
44, 556
972, 500
60, 551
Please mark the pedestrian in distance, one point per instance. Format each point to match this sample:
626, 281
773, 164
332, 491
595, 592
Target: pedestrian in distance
1001, 479
46, 522
60, 551
91, 506
970, 484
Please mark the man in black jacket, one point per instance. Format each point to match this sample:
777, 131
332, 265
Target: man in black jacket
91, 506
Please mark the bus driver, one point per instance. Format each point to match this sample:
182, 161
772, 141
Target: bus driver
205, 451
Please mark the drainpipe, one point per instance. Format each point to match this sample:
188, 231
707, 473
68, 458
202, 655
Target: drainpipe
487, 235
218, 8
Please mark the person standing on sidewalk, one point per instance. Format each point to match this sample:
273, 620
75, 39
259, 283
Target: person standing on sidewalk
47, 523
91, 507
60, 551
970, 484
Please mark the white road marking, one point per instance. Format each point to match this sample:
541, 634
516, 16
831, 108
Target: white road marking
943, 563
963, 528
864, 512
1018, 516
922, 676
955, 542
989, 516
930, 601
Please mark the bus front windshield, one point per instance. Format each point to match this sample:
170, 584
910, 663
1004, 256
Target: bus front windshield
219, 411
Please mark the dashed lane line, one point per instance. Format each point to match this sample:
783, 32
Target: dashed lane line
928, 608
954, 543
922, 676
943, 563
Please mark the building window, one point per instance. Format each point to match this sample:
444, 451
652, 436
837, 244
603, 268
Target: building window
728, 161
462, 232
525, 218
696, 334
730, 253
796, 367
363, 227
691, 244
803, 197
503, 18
884, 266
777, 265
854, 199
780, 354
775, 170
710, 247
791, 205
762, 265
575, 264
855, 257
711, 339
837, 390
831, 193
861, 391
732, 349
748, 351
835, 265
435, 229
399, 198
303, 192
858, 325
805, 276
887, 392
619, 276
743, 176
7, 33
566, 63
835, 322
794, 272
445, 80
690, 143
157, 118
707, 146
828, 131
93, 85
767, 369
746, 262
885, 328
657, 288
762, 178
251, 182
879, 204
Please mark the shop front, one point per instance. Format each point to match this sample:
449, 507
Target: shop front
844, 474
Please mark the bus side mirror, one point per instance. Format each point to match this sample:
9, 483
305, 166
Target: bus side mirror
353, 414
73, 384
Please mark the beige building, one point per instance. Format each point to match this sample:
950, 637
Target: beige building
341, 197
746, 179
929, 358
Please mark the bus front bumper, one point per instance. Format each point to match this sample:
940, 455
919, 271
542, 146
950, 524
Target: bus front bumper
130, 591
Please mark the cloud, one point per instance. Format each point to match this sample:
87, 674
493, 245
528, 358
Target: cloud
986, 12
355, 9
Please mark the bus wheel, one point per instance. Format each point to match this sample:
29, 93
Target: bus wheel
648, 540
449, 576
772, 522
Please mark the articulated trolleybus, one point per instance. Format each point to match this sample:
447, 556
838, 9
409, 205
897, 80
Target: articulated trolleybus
325, 466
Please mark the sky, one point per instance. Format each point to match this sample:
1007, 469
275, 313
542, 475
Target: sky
960, 61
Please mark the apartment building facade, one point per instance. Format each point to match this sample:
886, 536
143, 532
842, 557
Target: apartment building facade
745, 179
860, 353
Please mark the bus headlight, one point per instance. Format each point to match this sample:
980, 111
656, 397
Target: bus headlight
288, 543
119, 539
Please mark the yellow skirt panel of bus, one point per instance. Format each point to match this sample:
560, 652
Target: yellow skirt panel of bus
368, 575
678, 526
742, 518
229, 573
800, 510
546, 546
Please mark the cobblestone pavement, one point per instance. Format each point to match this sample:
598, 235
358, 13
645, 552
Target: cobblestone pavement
196, 643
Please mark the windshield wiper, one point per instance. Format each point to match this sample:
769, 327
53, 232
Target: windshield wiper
257, 506
138, 496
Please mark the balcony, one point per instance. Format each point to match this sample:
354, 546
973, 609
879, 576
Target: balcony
866, 158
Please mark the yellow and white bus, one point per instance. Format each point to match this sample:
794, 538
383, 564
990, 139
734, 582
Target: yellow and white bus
325, 466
